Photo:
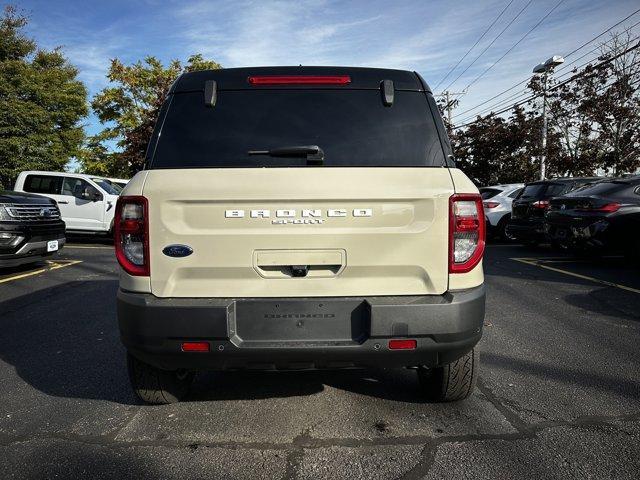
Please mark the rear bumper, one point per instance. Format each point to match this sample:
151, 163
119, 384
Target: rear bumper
527, 230
493, 217
308, 333
594, 234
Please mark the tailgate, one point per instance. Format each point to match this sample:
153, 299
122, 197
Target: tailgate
299, 232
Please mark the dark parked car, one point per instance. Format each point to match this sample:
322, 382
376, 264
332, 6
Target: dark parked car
528, 209
30, 228
604, 216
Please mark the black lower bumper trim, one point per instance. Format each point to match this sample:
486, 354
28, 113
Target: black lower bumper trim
290, 333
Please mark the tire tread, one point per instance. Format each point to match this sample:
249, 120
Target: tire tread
452, 382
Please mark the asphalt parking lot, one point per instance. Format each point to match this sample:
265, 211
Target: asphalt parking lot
558, 395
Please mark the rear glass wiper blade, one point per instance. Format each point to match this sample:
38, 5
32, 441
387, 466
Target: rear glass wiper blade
313, 153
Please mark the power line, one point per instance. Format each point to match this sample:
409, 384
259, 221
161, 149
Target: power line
489, 46
555, 87
607, 30
515, 44
513, 97
565, 66
474, 45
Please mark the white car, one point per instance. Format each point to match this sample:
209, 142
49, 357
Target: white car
86, 202
497, 201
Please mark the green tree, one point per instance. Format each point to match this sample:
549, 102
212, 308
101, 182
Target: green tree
41, 103
129, 109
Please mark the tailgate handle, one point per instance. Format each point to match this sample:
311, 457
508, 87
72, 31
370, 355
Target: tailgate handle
299, 270
299, 263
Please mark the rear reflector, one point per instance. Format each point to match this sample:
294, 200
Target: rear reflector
300, 80
195, 346
402, 344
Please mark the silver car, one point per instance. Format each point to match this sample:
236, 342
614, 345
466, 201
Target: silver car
497, 201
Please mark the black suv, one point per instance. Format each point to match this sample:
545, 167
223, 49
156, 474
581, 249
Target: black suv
30, 228
528, 209
601, 217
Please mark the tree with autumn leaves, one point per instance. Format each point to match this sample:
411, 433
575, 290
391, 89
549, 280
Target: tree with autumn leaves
594, 117
128, 109
594, 124
43, 106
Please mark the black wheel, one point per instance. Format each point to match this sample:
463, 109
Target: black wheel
156, 386
452, 382
502, 232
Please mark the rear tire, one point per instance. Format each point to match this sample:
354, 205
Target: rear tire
156, 386
452, 382
502, 232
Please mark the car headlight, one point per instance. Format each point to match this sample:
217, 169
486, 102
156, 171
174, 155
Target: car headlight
10, 239
4, 214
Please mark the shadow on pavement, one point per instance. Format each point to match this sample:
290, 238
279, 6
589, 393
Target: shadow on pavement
619, 386
86, 239
601, 299
64, 341
396, 384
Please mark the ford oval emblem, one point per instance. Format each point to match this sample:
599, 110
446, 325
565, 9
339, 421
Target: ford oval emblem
177, 250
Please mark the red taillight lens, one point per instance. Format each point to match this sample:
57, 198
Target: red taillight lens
300, 80
491, 204
467, 233
131, 235
608, 208
195, 346
541, 204
402, 344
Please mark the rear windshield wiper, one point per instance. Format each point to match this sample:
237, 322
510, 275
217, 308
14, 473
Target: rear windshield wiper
313, 153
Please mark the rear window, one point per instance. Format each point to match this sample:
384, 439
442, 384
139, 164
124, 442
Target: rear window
487, 193
534, 190
544, 190
352, 127
515, 193
604, 189
43, 184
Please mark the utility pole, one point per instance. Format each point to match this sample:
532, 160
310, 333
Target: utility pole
545, 68
543, 157
449, 103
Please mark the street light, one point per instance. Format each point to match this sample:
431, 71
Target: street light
544, 69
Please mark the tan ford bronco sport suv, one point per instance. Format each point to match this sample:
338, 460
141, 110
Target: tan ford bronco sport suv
296, 218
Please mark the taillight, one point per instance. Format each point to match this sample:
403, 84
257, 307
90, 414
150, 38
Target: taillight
491, 204
608, 208
131, 234
300, 80
541, 204
467, 232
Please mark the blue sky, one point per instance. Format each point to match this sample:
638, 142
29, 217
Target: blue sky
426, 36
